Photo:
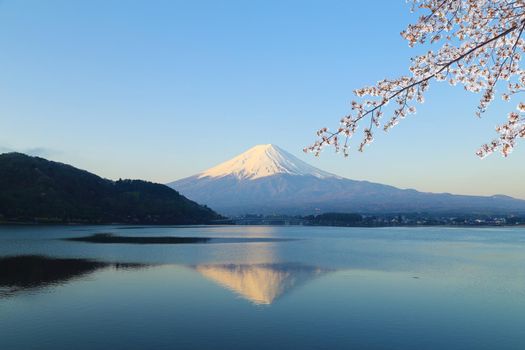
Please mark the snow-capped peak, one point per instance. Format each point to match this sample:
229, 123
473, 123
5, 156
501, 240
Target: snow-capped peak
261, 161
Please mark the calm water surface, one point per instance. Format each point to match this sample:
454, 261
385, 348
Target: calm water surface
321, 288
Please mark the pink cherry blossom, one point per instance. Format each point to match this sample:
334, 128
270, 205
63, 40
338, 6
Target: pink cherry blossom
480, 46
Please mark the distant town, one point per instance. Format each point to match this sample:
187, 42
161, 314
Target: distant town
384, 220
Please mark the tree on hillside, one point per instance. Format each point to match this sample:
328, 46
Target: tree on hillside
480, 47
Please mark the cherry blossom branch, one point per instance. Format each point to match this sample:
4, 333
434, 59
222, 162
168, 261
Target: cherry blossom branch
479, 24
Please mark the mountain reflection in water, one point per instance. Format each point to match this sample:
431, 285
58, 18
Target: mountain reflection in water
33, 272
260, 283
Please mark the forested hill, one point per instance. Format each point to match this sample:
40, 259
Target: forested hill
34, 189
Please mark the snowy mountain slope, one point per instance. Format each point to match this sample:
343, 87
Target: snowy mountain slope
264, 160
269, 180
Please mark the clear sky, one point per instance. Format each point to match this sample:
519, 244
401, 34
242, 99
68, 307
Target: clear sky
160, 90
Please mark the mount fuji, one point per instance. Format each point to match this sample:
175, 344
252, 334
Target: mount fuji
268, 180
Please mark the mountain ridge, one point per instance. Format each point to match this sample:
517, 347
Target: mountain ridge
303, 193
36, 189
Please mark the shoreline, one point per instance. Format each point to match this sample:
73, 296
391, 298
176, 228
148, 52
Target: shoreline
138, 225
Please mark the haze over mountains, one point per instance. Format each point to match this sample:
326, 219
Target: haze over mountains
268, 180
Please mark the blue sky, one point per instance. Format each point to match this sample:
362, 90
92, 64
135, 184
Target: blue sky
161, 90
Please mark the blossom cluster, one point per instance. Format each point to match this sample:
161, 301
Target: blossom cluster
479, 45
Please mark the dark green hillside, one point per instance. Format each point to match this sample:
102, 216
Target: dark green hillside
35, 189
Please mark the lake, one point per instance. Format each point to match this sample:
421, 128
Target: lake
261, 287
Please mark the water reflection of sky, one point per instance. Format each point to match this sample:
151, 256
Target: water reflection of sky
327, 288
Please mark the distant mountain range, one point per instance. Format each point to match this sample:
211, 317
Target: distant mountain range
35, 189
268, 180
